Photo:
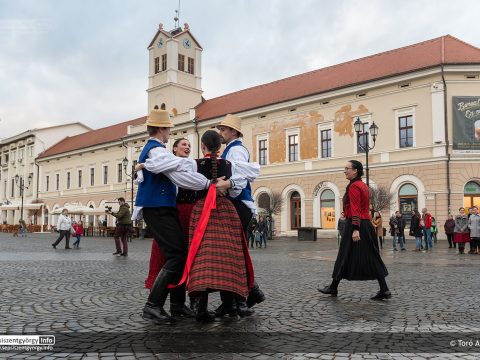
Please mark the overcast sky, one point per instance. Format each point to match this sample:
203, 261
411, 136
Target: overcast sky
86, 60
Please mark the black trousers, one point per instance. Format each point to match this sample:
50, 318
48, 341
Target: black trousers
165, 227
66, 234
244, 213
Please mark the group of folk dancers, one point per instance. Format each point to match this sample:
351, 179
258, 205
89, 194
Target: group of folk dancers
199, 231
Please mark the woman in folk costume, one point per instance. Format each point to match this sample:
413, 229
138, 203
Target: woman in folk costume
358, 256
185, 202
218, 257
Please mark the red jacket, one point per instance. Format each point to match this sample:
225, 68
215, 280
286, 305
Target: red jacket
427, 220
358, 202
78, 229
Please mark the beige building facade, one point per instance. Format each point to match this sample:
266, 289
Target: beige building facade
19, 172
300, 130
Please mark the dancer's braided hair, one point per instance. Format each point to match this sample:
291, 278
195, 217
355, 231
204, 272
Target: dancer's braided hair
212, 142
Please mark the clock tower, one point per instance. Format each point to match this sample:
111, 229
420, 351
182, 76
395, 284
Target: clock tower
175, 72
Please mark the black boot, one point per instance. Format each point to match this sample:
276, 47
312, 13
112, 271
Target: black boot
255, 296
153, 309
203, 315
384, 292
331, 289
177, 303
227, 307
242, 308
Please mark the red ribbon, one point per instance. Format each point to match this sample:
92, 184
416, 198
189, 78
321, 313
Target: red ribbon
208, 206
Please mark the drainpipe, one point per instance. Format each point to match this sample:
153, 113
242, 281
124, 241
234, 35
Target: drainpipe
195, 121
447, 142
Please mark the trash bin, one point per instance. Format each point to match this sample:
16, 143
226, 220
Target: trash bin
307, 234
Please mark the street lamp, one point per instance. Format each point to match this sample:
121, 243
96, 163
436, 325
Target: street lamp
129, 176
358, 125
21, 184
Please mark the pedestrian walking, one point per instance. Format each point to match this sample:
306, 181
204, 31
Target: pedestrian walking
449, 227
22, 228
358, 256
78, 227
434, 230
262, 230
461, 231
64, 224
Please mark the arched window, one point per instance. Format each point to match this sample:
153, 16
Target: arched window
295, 210
327, 209
471, 194
408, 200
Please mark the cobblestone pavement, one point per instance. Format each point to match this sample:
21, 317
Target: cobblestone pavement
91, 301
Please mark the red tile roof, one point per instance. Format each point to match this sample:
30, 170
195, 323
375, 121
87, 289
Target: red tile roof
92, 138
443, 50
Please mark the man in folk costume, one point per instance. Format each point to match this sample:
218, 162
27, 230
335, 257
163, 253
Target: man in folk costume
156, 203
231, 132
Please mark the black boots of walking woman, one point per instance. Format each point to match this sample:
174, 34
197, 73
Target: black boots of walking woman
383, 294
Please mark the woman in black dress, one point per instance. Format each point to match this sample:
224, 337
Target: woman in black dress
358, 257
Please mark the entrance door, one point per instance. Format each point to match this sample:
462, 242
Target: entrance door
408, 201
295, 211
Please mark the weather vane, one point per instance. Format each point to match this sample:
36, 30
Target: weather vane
177, 15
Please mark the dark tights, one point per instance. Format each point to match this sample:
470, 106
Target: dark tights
381, 282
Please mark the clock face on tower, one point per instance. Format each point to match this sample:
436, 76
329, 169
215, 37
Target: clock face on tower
187, 43
160, 43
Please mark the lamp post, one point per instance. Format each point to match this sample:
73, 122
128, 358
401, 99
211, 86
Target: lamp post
21, 184
129, 176
358, 125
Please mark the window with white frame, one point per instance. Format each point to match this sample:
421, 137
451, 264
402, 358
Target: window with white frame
92, 176
405, 128
119, 173
79, 178
30, 151
293, 144
47, 183
262, 141
326, 142
68, 179
13, 187
105, 174
57, 181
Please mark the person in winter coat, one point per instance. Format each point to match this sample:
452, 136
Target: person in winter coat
124, 224
63, 226
474, 226
449, 226
378, 224
397, 230
461, 231
416, 229
426, 222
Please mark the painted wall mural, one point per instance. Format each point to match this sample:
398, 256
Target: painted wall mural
343, 119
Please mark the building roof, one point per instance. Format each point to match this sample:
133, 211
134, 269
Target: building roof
91, 138
442, 50
32, 132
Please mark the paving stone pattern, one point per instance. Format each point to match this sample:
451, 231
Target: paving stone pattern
91, 301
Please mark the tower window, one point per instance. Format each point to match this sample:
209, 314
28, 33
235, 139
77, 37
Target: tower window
164, 62
157, 65
181, 62
191, 69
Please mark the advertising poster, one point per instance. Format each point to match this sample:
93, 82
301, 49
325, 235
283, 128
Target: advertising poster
466, 123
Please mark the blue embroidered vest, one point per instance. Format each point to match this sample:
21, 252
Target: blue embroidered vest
156, 190
246, 193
